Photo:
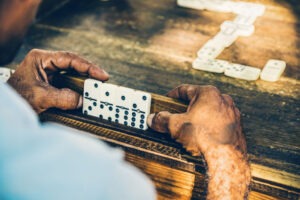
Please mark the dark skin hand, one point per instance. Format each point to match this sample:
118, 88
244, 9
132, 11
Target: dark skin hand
210, 126
32, 79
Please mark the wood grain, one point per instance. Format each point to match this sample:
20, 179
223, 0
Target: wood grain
149, 45
266, 180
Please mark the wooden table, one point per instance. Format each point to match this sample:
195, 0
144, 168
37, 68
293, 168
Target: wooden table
149, 45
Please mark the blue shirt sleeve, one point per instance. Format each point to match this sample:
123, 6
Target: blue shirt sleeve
54, 162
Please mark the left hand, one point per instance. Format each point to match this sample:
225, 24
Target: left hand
32, 79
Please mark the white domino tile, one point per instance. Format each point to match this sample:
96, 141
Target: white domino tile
245, 8
231, 28
211, 49
244, 19
117, 104
273, 70
224, 40
90, 103
220, 5
211, 65
106, 97
243, 72
140, 109
123, 105
194, 4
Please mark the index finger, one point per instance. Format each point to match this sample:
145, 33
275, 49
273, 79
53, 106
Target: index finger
54, 60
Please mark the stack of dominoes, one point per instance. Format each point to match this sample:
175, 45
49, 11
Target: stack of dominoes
5, 74
242, 25
116, 104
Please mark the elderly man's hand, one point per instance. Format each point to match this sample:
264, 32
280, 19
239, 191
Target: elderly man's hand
211, 126
32, 79
211, 119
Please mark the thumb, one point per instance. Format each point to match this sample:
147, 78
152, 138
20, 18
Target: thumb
64, 99
166, 122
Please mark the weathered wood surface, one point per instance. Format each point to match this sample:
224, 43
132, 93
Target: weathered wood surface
149, 45
163, 150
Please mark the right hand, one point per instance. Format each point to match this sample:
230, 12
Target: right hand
211, 120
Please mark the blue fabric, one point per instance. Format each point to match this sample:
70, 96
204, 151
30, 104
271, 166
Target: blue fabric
43, 162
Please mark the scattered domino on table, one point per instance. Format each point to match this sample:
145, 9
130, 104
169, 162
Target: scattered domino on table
250, 9
242, 25
210, 49
211, 65
225, 40
117, 104
220, 5
231, 28
245, 19
243, 72
194, 4
273, 70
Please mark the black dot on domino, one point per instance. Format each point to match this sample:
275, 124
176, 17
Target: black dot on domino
86, 94
110, 108
117, 110
133, 119
107, 94
141, 126
123, 97
126, 112
90, 108
85, 112
125, 117
144, 98
101, 116
101, 106
117, 115
142, 116
95, 85
109, 119
95, 103
134, 105
133, 114
116, 120
142, 121
125, 123
132, 124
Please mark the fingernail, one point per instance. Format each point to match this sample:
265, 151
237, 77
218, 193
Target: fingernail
80, 101
105, 73
150, 119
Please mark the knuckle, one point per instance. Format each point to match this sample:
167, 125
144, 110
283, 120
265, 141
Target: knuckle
70, 54
160, 121
212, 91
190, 89
228, 98
160, 116
34, 52
39, 97
67, 99
212, 88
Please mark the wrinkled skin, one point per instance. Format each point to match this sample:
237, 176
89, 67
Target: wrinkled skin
32, 79
210, 126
